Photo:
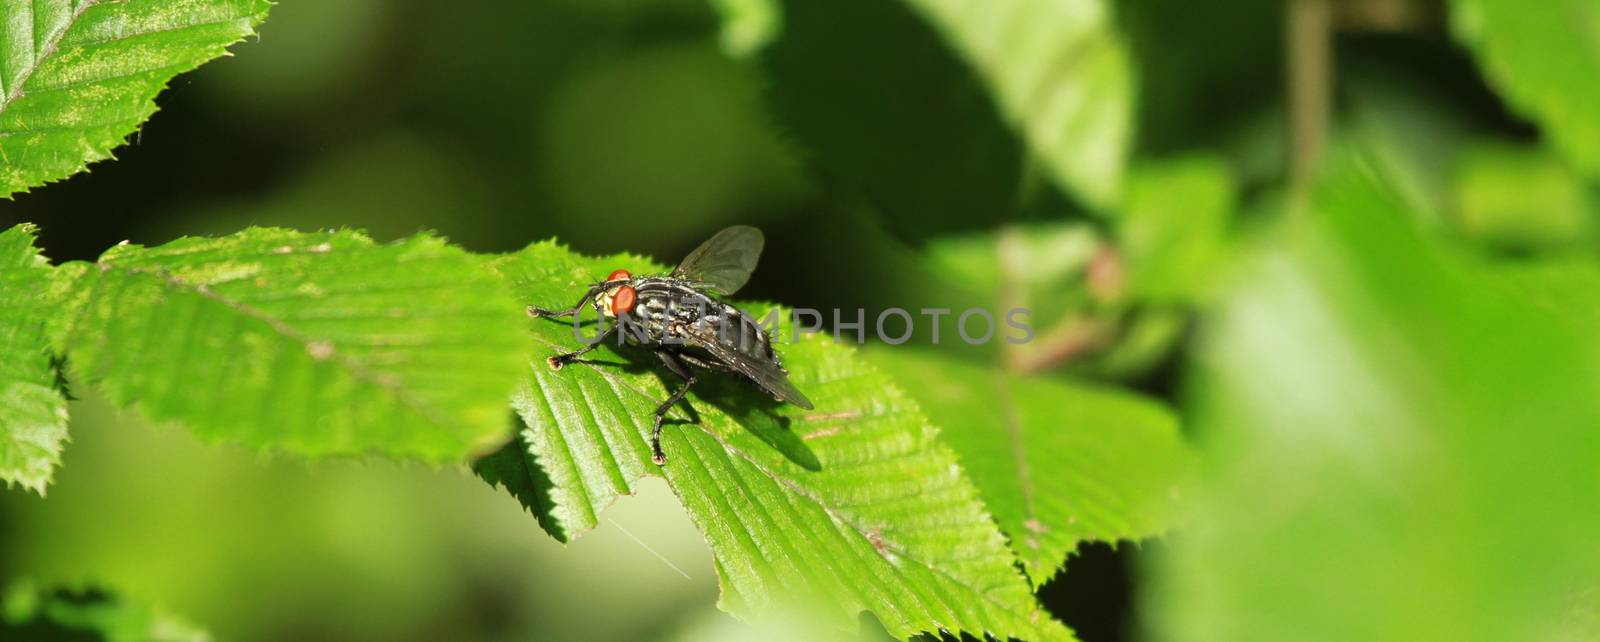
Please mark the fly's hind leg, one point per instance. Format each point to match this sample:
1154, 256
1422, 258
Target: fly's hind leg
677, 367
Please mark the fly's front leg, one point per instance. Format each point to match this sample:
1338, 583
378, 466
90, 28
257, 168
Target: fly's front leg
541, 313
557, 361
678, 368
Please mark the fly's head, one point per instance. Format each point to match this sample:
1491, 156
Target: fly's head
618, 297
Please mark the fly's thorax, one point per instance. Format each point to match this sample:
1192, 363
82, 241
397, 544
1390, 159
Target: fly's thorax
667, 306
674, 310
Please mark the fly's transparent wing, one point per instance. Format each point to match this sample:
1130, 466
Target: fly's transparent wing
763, 372
724, 262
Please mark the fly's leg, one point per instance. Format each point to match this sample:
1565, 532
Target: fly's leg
678, 368
541, 313
559, 360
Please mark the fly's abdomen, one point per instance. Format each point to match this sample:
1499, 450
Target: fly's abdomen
737, 330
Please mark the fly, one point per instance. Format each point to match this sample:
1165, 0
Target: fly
680, 318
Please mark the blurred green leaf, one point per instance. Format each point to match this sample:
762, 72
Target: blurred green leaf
1058, 463
1203, 74
1038, 266
311, 343
671, 137
78, 76
1398, 448
713, 626
1564, 284
748, 25
308, 62
1545, 58
31, 613
1173, 228
1410, 122
33, 413
1062, 78
1522, 199
880, 104
1146, 339
951, 116
855, 503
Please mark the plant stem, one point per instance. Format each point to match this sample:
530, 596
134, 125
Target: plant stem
1308, 29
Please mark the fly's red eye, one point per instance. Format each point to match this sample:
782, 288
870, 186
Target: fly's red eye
624, 298
619, 275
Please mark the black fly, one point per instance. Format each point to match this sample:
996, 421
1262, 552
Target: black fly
677, 317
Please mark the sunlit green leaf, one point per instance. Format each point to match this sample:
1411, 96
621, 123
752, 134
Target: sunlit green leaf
1522, 199
855, 503
78, 76
312, 343
1058, 463
1545, 58
1400, 446
747, 25
33, 413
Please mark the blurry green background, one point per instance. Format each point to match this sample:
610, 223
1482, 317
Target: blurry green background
623, 125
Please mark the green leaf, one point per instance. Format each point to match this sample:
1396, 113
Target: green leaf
29, 612
855, 503
747, 25
1173, 228
78, 76
312, 343
1545, 58
951, 116
1039, 266
1062, 77
842, 80
33, 412
1058, 463
1522, 199
1400, 447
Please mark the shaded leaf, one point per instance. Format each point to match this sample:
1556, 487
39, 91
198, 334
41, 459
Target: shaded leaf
78, 76
33, 412
31, 613
1062, 78
312, 343
855, 504
949, 115
880, 104
1545, 59
1058, 463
